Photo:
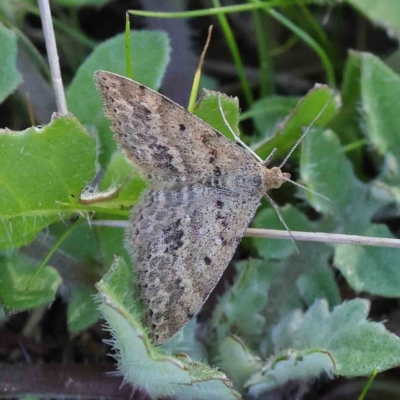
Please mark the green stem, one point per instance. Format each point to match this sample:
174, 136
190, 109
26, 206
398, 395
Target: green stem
235, 54
368, 385
211, 11
321, 35
128, 58
310, 41
55, 246
264, 55
76, 208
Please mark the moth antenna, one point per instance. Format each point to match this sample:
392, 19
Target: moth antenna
236, 137
305, 188
307, 130
273, 204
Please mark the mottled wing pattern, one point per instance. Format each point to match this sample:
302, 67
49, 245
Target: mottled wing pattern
166, 143
180, 254
204, 193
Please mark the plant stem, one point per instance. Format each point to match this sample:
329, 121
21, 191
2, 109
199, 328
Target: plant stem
324, 237
300, 236
230, 38
211, 11
128, 57
52, 250
330, 74
52, 54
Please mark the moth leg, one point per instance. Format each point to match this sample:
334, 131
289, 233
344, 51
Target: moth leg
273, 204
269, 158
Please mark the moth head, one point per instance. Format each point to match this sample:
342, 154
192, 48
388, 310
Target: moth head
274, 177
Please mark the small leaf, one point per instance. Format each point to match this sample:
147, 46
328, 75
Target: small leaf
16, 274
144, 365
334, 342
150, 56
82, 311
373, 270
10, 78
37, 168
291, 129
207, 109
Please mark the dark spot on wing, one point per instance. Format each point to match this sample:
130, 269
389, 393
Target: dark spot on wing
223, 240
142, 111
142, 87
207, 260
173, 236
217, 171
211, 159
220, 203
182, 127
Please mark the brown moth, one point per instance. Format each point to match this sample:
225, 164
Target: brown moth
203, 192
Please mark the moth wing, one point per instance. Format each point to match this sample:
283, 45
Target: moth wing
181, 248
166, 143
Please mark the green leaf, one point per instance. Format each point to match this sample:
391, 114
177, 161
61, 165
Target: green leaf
144, 365
383, 12
373, 270
325, 169
72, 245
207, 109
17, 271
334, 342
268, 113
112, 244
82, 311
286, 135
185, 341
150, 56
269, 219
348, 121
239, 310
380, 94
38, 167
120, 173
10, 78
237, 361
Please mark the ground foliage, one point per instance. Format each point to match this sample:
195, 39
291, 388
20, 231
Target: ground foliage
278, 318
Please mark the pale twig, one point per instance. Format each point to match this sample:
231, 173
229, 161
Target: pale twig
52, 54
323, 237
300, 236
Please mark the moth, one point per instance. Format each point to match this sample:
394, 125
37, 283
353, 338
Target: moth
203, 191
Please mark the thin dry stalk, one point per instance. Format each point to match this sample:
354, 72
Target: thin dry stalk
52, 54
